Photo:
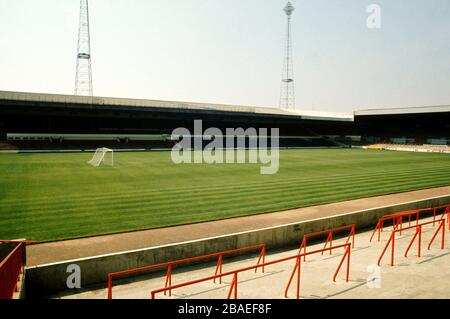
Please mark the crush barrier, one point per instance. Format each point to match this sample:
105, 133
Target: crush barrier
234, 283
398, 227
329, 233
418, 235
397, 218
169, 266
298, 266
11, 268
446, 213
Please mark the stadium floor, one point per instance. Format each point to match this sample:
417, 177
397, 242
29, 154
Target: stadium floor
85, 247
413, 277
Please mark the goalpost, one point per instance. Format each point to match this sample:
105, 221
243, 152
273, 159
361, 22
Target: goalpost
102, 155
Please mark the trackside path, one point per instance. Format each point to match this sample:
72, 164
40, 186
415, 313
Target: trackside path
91, 246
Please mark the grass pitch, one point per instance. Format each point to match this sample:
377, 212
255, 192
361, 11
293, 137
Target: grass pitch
58, 196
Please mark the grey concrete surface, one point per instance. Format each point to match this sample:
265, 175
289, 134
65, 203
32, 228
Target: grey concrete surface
411, 277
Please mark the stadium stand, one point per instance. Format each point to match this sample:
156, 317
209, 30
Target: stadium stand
46, 121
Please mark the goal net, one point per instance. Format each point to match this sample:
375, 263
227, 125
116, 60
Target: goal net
102, 155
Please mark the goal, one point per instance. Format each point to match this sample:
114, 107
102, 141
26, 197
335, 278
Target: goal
102, 155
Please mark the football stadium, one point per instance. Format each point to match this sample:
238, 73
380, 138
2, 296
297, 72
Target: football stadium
134, 212
343, 193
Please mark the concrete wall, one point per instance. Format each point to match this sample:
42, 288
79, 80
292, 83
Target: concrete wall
51, 278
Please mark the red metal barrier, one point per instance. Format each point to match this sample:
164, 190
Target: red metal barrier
329, 233
169, 265
397, 218
418, 234
446, 212
297, 268
234, 273
10, 270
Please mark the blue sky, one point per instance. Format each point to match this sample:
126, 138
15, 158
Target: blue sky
231, 51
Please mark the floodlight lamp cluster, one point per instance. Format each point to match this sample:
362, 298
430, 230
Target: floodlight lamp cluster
289, 8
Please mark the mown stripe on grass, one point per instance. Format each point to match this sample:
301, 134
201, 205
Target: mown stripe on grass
119, 203
169, 193
222, 203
